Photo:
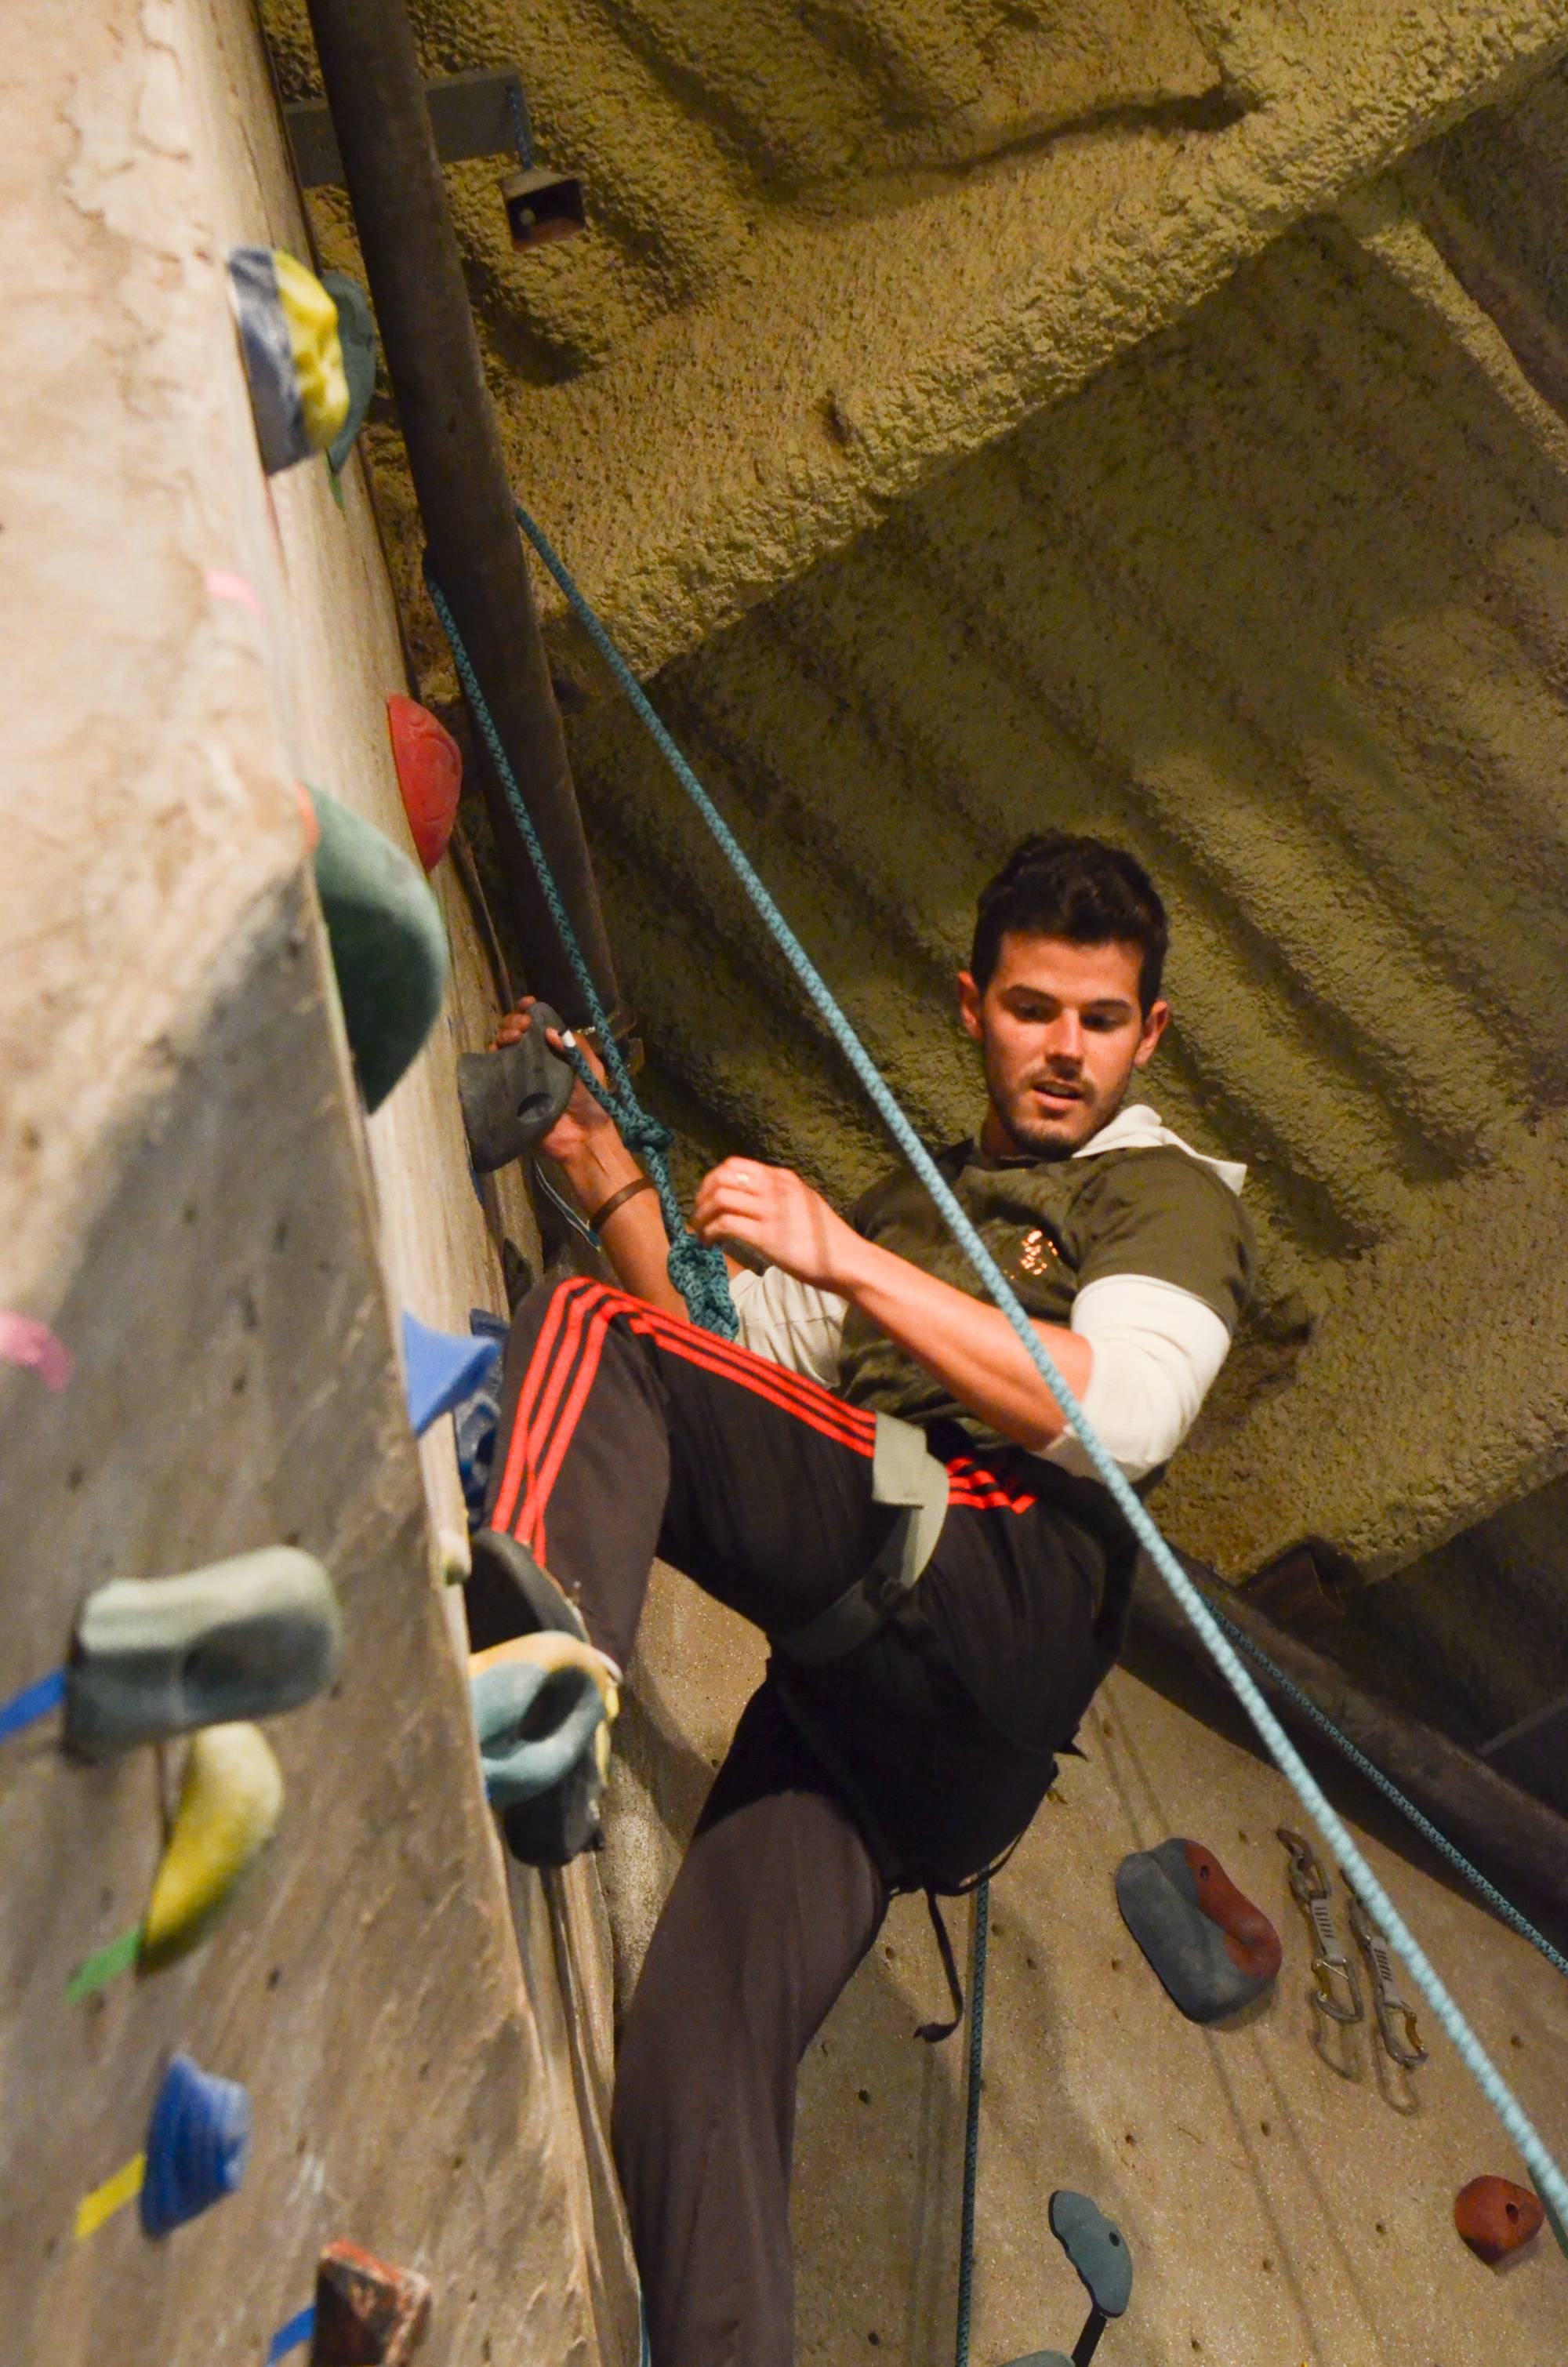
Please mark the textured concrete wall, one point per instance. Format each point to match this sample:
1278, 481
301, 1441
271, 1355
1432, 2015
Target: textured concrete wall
185, 1196
833, 250
1277, 601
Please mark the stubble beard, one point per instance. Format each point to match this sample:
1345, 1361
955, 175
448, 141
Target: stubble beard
1047, 1140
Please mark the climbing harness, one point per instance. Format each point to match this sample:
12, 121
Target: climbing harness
1336, 1993
1549, 2178
906, 1474
696, 1268
1396, 2021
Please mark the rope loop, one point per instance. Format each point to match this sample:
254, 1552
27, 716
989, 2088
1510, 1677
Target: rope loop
696, 1268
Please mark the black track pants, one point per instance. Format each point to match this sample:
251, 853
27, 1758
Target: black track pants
626, 1433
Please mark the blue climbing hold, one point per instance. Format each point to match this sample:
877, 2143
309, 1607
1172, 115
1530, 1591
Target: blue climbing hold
476, 1418
198, 2142
442, 1369
1097, 2250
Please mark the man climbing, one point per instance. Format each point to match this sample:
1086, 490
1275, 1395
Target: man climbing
879, 1477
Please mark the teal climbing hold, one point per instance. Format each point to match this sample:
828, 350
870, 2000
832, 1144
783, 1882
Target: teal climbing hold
1097, 2248
537, 1722
356, 335
198, 2143
444, 1369
389, 945
544, 1704
242, 1639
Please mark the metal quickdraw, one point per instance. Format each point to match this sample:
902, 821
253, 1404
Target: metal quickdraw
1309, 1887
1396, 2021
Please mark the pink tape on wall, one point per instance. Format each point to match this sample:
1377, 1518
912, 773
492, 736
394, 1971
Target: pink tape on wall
222, 584
26, 1341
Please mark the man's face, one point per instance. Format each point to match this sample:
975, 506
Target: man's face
1061, 1035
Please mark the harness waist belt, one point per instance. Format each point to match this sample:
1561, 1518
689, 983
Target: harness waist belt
905, 1472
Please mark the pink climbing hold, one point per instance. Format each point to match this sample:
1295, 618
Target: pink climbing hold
26, 1341
430, 774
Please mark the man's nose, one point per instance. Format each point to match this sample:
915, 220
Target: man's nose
1063, 1039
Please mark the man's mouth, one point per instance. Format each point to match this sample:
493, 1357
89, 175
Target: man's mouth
1054, 1090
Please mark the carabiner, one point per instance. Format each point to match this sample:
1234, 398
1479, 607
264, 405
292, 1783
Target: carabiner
1387, 2004
1309, 1887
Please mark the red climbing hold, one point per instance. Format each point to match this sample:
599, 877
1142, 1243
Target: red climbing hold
1494, 2217
430, 774
1251, 1942
367, 2312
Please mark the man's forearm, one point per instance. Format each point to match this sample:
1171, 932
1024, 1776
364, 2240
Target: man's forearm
967, 1346
633, 1238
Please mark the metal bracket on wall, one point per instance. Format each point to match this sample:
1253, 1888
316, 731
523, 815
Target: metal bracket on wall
470, 115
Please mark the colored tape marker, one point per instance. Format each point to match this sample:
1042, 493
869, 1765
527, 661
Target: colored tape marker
111, 2196
289, 2338
27, 1342
222, 584
105, 1965
33, 1702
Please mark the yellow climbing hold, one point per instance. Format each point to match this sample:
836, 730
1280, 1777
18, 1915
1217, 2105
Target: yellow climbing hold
317, 354
230, 1799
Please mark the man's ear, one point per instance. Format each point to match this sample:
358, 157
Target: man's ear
969, 1006
1155, 1021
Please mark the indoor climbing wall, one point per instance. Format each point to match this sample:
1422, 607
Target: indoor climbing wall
375, 2038
1286, 2190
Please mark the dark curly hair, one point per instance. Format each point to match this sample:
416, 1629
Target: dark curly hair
1056, 885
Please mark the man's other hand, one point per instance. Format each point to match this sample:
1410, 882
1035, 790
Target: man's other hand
769, 1209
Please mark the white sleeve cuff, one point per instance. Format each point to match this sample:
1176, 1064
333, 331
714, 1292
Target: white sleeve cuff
1157, 1351
792, 1323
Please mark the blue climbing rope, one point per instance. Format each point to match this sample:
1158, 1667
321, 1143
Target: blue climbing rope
1439, 1841
1548, 2178
696, 1268
972, 2121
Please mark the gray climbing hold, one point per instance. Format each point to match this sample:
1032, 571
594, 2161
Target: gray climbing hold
1097, 2248
511, 1099
1211, 1948
1042, 2359
156, 1657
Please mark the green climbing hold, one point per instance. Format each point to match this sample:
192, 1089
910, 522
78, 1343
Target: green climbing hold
156, 1657
388, 942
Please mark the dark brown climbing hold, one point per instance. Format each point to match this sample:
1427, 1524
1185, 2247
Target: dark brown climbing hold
367, 2313
1494, 2217
1251, 1942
